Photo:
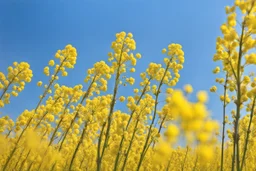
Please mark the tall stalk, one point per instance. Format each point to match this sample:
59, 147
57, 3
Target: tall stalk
131, 141
78, 146
236, 150
111, 111
37, 125
31, 118
248, 134
223, 124
235, 158
184, 161
60, 121
86, 95
153, 119
128, 124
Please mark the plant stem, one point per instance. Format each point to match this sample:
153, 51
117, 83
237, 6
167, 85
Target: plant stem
223, 124
78, 146
86, 95
248, 134
184, 161
153, 120
127, 126
109, 120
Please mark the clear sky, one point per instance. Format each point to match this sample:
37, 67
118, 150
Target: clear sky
33, 30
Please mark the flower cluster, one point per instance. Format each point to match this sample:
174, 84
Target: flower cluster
14, 82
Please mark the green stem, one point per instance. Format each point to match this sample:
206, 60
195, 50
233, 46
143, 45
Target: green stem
109, 120
236, 152
223, 124
154, 116
248, 134
23, 162
78, 146
131, 141
127, 126
31, 118
99, 147
160, 128
37, 125
86, 95
19, 158
130, 145
168, 165
184, 161
194, 168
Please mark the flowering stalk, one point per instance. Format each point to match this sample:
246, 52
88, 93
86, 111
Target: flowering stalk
153, 120
127, 126
37, 125
236, 157
35, 111
9, 84
86, 95
60, 121
131, 141
109, 120
78, 145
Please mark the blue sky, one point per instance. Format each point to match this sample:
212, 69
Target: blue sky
33, 30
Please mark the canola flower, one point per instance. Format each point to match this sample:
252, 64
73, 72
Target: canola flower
77, 128
81, 128
235, 51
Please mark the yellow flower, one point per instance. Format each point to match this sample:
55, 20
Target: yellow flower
188, 88
136, 90
138, 55
122, 98
130, 80
164, 50
39, 83
216, 70
172, 132
1, 103
205, 152
202, 96
51, 63
47, 71
130, 35
213, 89
132, 70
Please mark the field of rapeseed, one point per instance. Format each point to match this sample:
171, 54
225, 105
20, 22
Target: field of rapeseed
79, 128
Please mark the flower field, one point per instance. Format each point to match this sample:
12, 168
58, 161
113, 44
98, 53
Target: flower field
82, 128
